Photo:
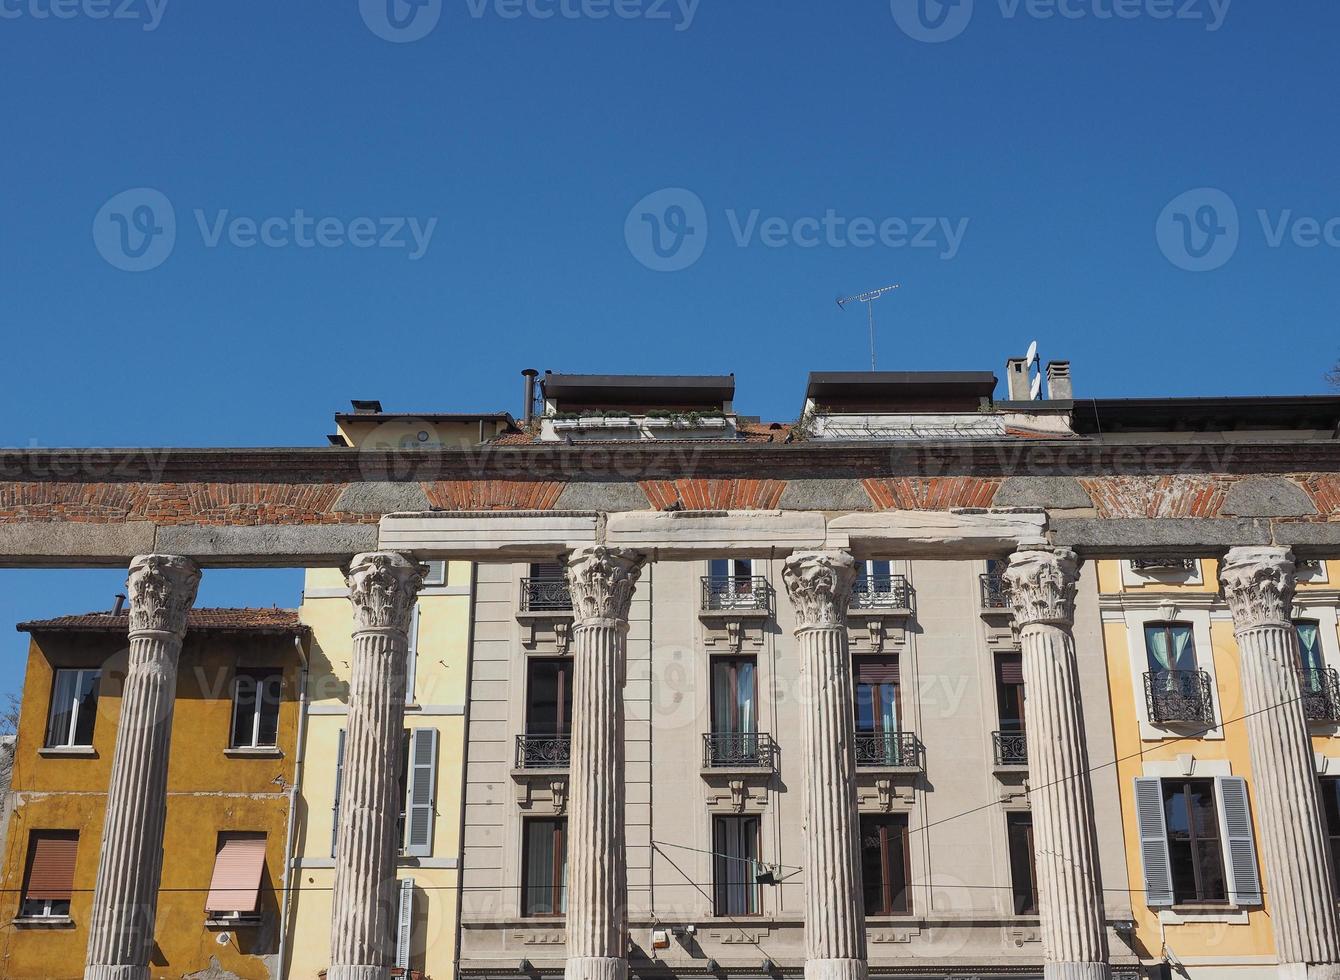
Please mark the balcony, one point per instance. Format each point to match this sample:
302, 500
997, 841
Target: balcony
883, 593
543, 751
887, 750
1163, 564
994, 592
1179, 697
739, 750
1320, 688
736, 595
545, 595
1011, 748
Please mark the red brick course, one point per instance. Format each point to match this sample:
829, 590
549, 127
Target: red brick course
931, 493
492, 495
1158, 496
714, 494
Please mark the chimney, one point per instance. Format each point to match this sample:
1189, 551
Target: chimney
1058, 381
120, 602
1016, 379
528, 410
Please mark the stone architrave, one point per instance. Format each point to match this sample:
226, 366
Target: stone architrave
820, 585
1258, 584
161, 590
1041, 584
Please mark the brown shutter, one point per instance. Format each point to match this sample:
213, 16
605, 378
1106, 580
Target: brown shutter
236, 884
51, 866
1010, 669
876, 670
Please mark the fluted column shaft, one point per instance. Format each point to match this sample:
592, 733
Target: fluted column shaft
161, 589
820, 584
1259, 586
601, 581
383, 588
1041, 586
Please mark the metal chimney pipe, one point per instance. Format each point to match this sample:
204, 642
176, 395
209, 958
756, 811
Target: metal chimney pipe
528, 413
120, 603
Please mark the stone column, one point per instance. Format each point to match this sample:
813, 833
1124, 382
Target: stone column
602, 582
1041, 583
161, 589
383, 587
1259, 586
819, 584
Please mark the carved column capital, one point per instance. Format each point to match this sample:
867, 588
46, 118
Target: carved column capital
1041, 585
1258, 584
161, 589
819, 584
383, 587
601, 581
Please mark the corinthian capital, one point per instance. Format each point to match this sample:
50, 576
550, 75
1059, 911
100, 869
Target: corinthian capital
1041, 585
383, 586
1258, 585
819, 584
161, 589
601, 581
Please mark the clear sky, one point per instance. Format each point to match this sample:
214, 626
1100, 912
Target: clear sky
451, 190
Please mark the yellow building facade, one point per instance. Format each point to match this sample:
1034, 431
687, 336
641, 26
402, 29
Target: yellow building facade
231, 782
1198, 890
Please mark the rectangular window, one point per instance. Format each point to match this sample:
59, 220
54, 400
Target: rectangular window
235, 886
876, 694
874, 575
1195, 851
1169, 647
1023, 869
256, 697
549, 696
48, 881
735, 865
544, 868
74, 709
1309, 645
1330, 805
885, 864
437, 573
1010, 691
734, 696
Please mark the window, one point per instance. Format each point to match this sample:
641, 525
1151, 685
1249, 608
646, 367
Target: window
1010, 691
735, 866
874, 575
549, 696
885, 865
876, 694
1196, 841
74, 709
544, 868
239, 866
437, 573
417, 786
1330, 806
734, 710
1023, 869
48, 881
256, 696
1169, 647
1309, 645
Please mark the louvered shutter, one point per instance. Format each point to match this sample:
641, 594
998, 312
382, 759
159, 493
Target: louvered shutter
404, 923
422, 792
1153, 841
412, 656
51, 866
339, 786
876, 670
239, 866
1010, 668
1235, 822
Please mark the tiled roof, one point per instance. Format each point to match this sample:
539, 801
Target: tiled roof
281, 621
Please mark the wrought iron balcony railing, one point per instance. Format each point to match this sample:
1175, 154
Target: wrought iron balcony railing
995, 594
895, 749
543, 751
882, 592
1163, 564
731, 750
725, 592
1011, 748
1179, 696
1321, 693
545, 595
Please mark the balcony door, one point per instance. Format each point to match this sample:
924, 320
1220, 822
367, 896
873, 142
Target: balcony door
877, 695
1170, 648
732, 583
1010, 692
549, 696
875, 575
734, 710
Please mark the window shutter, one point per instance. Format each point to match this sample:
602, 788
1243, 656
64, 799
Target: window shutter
239, 866
422, 792
51, 866
404, 923
876, 670
412, 658
1235, 819
1153, 842
1010, 668
339, 785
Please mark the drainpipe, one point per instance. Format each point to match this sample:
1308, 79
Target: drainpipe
528, 410
293, 790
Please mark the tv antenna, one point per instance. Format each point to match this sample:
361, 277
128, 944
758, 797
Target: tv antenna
869, 300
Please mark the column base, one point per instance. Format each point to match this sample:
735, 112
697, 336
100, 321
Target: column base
111, 972
1076, 971
836, 970
348, 972
1321, 971
595, 968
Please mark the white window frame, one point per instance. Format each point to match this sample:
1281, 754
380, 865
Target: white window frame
254, 741
1199, 620
437, 573
48, 912
67, 741
1322, 611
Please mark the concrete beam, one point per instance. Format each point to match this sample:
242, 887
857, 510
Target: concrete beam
61, 544
690, 534
1135, 537
489, 535
935, 534
267, 545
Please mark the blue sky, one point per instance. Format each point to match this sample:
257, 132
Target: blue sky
1051, 171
